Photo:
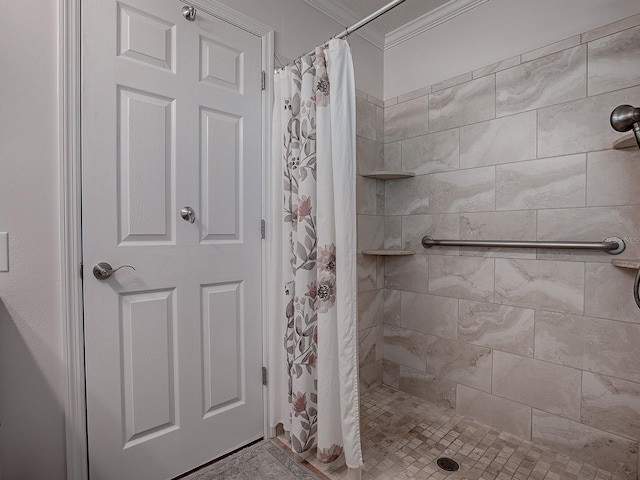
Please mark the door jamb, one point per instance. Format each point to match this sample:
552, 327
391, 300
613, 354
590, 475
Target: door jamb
69, 89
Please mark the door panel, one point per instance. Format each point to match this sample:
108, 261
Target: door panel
221, 164
148, 324
171, 117
146, 163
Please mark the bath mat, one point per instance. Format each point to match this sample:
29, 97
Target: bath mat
264, 460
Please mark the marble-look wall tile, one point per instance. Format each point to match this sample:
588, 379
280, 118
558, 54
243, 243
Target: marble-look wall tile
380, 124
370, 232
461, 277
502, 414
459, 362
370, 309
390, 373
370, 345
370, 376
610, 28
549, 49
503, 140
509, 329
549, 80
463, 104
392, 307
614, 177
407, 196
393, 156
541, 284
547, 183
581, 125
452, 82
421, 92
542, 385
611, 404
376, 101
380, 271
496, 67
593, 224
390, 101
429, 314
470, 190
614, 62
365, 119
586, 444
603, 346
515, 225
437, 152
437, 225
405, 347
409, 273
380, 191
366, 266
369, 155
434, 390
393, 231
608, 293
405, 120
366, 199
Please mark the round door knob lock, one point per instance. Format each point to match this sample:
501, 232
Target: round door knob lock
188, 214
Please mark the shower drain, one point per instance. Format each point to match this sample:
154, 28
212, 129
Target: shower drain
448, 464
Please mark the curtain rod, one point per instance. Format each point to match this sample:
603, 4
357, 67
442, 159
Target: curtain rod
361, 23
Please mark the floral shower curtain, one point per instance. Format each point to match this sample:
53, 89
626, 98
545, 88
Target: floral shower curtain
312, 351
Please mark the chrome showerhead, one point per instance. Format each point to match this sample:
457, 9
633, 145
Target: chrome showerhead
625, 118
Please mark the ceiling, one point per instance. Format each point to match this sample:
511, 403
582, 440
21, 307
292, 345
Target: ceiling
404, 21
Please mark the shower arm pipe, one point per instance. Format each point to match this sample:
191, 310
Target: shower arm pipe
610, 245
356, 26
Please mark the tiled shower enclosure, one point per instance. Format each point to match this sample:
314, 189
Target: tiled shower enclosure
544, 345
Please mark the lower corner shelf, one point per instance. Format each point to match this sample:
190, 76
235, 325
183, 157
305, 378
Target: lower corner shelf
630, 263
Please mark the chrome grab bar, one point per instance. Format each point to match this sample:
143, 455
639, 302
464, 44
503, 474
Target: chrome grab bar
610, 245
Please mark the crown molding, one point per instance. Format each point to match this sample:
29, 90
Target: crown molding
346, 17
432, 19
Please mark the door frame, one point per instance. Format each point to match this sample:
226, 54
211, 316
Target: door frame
70, 181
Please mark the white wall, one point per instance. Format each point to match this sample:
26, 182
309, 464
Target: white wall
31, 367
298, 28
495, 30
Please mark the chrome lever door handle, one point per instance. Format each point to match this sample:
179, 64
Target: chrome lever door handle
103, 270
188, 214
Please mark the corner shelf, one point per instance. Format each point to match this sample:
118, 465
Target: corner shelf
625, 142
631, 263
389, 252
388, 174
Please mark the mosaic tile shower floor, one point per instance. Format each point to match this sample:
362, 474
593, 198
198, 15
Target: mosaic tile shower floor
402, 436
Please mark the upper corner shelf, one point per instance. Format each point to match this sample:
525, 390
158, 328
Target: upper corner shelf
388, 174
389, 252
631, 263
625, 142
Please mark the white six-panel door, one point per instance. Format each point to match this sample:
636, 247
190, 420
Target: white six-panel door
171, 117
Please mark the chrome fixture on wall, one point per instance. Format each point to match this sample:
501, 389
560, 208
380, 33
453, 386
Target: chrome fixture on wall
625, 118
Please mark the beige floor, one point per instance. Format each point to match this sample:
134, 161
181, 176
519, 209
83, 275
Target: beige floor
402, 436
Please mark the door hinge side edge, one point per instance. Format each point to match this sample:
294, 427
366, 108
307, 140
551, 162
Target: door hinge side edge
264, 80
264, 376
263, 229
